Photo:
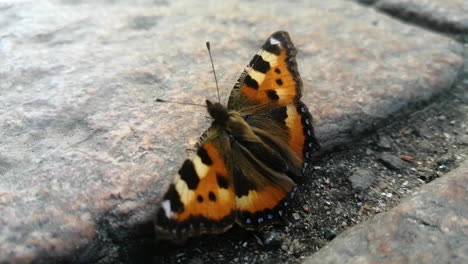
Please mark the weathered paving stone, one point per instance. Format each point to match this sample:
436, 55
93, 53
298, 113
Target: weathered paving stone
429, 227
85, 153
449, 16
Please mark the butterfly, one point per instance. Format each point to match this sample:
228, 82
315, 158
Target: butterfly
241, 170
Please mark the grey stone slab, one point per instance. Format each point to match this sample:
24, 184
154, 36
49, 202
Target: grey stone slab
448, 16
83, 144
429, 227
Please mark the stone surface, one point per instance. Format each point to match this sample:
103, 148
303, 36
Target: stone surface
361, 179
449, 16
86, 153
392, 162
429, 227
384, 143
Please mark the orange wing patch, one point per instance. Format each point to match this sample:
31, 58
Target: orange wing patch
262, 206
301, 133
257, 201
296, 133
275, 85
272, 74
200, 199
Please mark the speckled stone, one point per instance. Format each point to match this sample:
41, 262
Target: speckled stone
86, 152
449, 16
429, 227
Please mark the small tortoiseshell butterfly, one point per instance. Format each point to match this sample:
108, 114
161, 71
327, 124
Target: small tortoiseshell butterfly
240, 173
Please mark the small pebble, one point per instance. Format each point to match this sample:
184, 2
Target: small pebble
384, 142
392, 162
445, 159
462, 139
296, 216
407, 158
272, 240
329, 234
361, 179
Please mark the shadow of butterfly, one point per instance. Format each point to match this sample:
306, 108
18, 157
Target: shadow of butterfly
241, 170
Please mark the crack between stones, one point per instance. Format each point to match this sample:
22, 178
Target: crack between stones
421, 20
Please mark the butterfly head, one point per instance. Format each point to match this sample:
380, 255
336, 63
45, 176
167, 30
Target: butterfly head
218, 112
231, 121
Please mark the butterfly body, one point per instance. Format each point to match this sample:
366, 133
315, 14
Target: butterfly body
240, 172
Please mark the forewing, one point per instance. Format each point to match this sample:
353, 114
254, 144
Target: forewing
271, 77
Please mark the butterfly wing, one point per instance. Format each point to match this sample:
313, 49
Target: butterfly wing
270, 77
225, 181
201, 198
269, 92
288, 129
262, 191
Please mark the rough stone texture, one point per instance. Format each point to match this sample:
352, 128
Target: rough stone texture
448, 16
362, 179
85, 151
429, 227
392, 162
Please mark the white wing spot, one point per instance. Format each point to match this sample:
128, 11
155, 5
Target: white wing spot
274, 41
307, 121
166, 205
269, 57
200, 168
257, 76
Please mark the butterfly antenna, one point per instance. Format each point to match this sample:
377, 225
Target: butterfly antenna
214, 72
175, 102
